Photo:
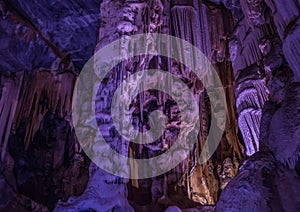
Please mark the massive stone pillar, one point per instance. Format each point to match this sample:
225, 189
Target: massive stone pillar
280, 63
47, 45
251, 91
277, 161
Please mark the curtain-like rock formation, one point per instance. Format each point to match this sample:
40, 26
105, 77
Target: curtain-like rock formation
272, 172
252, 44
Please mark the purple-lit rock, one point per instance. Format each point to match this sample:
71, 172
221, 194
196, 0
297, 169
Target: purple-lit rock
252, 44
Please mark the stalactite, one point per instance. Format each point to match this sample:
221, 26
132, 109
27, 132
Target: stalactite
251, 97
45, 98
251, 92
249, 121
286, 19
10, 91
204, 42
256, 78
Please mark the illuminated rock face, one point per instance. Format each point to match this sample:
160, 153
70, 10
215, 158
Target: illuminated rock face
252, 44
259, 184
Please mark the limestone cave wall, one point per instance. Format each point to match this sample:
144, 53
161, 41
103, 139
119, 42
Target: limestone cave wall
252, 44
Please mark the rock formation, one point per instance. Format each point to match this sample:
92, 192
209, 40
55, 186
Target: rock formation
252, 44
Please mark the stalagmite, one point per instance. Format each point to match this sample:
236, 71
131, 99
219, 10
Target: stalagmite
253, 45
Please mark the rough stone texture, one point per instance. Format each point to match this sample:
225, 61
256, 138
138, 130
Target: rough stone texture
251, 91
283, 137
183, 181
41, 156
41, 159
266, 178
262, 184
64, 32
254, 46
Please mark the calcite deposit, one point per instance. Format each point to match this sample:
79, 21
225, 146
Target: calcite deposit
252, 44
